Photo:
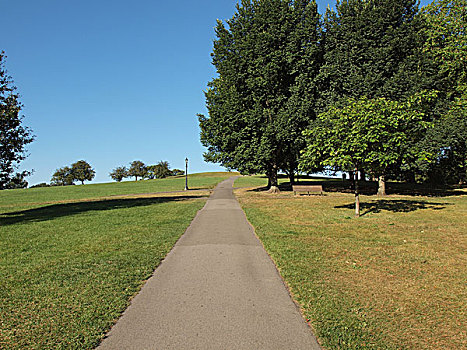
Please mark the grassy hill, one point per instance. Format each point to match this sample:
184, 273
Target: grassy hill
72, 257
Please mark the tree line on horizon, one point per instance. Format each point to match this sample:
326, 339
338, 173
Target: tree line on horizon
137, 169
82, 171
372, 86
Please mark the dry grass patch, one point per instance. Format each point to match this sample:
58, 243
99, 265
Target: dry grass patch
394, 278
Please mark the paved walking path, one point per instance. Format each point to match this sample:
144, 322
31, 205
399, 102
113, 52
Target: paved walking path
217, 289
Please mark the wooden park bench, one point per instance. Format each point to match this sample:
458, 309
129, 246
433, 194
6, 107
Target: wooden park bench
307, 188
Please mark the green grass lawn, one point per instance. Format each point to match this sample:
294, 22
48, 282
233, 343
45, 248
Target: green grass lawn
71, 258
30, 196
395, 278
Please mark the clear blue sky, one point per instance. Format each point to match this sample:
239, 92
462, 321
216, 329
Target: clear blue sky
112, 81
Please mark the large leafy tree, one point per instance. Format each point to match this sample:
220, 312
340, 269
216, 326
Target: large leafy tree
263, 98
82, 171
13, 135
446, 45
372, 134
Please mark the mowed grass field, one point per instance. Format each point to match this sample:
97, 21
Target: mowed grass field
72, 257
395, 278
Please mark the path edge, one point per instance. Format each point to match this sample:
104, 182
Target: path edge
287, 287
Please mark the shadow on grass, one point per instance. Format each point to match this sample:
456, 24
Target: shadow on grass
54, 211
371, 187
396, 206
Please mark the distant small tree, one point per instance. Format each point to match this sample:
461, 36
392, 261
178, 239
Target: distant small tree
62, 177
82, 171
137, 169
150, 172
119, 173
177, 172
42, 184
162, 170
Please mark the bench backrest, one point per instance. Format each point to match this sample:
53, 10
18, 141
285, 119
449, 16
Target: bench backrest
307, 188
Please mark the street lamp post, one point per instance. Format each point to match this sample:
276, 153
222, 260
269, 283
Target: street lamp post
186, 174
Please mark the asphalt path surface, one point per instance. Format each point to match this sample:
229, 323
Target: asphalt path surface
216, 289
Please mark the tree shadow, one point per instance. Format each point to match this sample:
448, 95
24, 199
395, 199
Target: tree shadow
395, 206
371, 187
55, 211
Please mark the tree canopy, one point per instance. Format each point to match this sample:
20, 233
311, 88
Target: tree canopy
263, 97
446, 46
82, 171
137, 169
78, 171
119, 173
370, 50
13, 135
62, 177
162, 170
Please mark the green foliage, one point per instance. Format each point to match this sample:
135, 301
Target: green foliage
177, 172
371, 50
79, 171
62, 177
446, 45
162, 170
82, 171
119, 173
263, 97
137, 169
18, 180
370, 134
39, 185
447, 42
448, 140
13, 135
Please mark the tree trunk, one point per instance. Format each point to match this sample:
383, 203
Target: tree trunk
352, 180
82, 182
357, 198
292, 177
362, 175
381, 186
410, 177
274, 188
136, 178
